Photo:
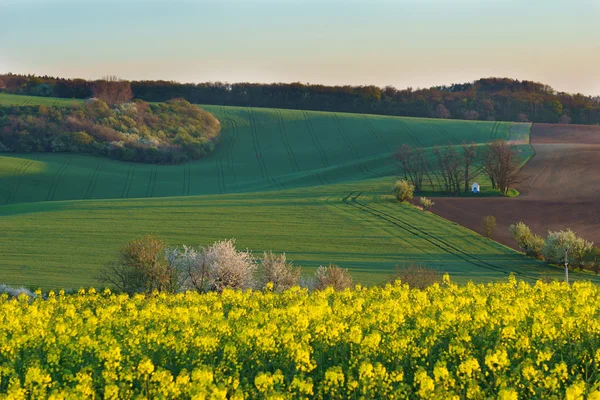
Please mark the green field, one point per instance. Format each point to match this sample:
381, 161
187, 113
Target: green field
259, 149
314, 185
7, 99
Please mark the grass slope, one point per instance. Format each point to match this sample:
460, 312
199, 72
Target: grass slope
312, 184
259, 149
7, 99
356, 225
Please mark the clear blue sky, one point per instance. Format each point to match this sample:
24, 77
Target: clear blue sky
416, 43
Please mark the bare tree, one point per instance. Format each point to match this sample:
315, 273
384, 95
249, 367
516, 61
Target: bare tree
332, 276
112, 90
276, 270
2, 84
502, 165
416, 276
449, 168
413, 164
469, 155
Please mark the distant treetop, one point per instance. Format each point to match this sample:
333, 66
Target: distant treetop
500, 99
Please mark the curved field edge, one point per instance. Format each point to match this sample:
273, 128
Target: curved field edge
259, 150
64, 243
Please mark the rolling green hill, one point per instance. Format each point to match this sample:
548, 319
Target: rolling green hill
312, 184
259, 149
356, 225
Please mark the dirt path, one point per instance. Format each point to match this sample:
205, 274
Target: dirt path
562, 189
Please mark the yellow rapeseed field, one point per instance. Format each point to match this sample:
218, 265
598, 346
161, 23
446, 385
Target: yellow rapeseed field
506, 340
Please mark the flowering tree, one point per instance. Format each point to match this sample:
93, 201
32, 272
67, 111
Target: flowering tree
559, 242
277, 271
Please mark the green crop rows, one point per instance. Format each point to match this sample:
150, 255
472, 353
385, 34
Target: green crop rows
312, 184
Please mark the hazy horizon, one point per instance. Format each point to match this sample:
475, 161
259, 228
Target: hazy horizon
399, 43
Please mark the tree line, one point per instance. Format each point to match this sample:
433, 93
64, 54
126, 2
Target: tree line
450, 169
488, 99
168, 133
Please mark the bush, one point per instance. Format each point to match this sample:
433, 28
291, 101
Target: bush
191, 267
332, 276
403, 190
528, 242
426, 203
535, 246
15, 292
417, 276
557, 242
171, 132
227, 267
489, 224
276, 270
521, 234
142, 267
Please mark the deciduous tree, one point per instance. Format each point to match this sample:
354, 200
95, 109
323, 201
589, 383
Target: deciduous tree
112, 90
502, 165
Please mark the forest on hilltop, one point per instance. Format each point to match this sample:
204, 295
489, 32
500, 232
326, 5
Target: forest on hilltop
488, 99
167, 133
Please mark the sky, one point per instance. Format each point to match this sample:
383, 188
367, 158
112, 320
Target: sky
403, 43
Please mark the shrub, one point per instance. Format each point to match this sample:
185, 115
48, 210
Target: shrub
417, 276
535, 246
191, 266
521, 234
489, 224
332, 276
426, 203
403, 190
227, 267
530, 243
15, 292
171, 132
142, 267
557, 242
276, 270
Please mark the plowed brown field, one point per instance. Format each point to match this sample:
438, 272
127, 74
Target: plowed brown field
561, 189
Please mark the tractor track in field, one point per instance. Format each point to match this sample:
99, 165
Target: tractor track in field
409, 131
151, 182
93, 179
15, 173
451, 138
494, 132
434, 240
128, 182
263, 167
220, 176
473, 126
315, 140
375, 133
60, 173
19, 171
362, 168
261, 164
285, 139
230, 146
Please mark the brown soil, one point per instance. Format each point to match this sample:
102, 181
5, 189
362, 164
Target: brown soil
561, 189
